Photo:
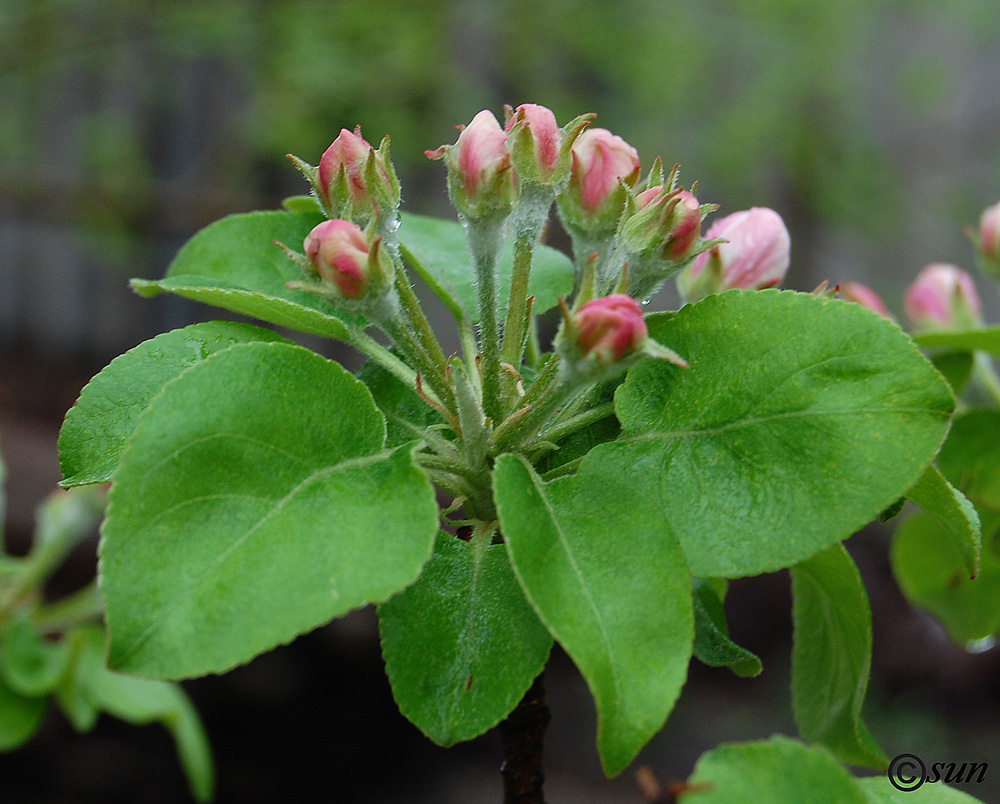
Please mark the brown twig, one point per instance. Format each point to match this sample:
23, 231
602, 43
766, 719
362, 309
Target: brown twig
523, 734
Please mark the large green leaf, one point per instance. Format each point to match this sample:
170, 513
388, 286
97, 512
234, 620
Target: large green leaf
436, 249
800, 420
461, 645
141, 701
253, 502
953, 510
932, 575
605, 573
234, 264
831, 656
879, 790
94, 433
775, 771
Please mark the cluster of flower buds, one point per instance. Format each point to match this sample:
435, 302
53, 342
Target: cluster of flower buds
942, 297
752, 253
354, 181
987, 241
490, 166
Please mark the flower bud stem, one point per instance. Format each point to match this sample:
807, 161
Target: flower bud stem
367, 345
516, 325
483, 237
418, 320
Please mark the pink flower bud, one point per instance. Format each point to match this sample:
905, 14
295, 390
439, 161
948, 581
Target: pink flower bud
600, 160
865, 296
350, 150
942, 297
754, 256
480, 178
339, 252
989, 233
609, 327
353, 179
539, 126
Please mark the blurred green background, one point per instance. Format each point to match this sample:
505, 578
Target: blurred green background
871, 126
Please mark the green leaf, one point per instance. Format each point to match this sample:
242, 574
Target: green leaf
30, 665
831, 656
784, 435
254, 501
96, 427
436, 249
775, 771
986, 340
461, 645
970, 458
20, 717
956, 514
956, 367
141, 701
618, 599
234, 264
712, 644
879, 790
407, 416
933, 576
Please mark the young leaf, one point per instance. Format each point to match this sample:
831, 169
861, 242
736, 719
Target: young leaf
617, 598
712, 644
970, 458
831, 656
141, 701
933, 576
461, 645
774, 771
784, 435
955, 366
234, 264
254, 501
20, 716
30, 665
94, 433
956, 514
436, 249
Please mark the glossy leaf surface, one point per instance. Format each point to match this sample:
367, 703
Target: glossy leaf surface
461, 645
603, 569
254, 501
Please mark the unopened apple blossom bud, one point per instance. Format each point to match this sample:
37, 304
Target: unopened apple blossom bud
600, 163
754, 255
668, 221
865, 296
535, 140
942, 297
354, 181
480, 177
988, 241
342, 255
609, 328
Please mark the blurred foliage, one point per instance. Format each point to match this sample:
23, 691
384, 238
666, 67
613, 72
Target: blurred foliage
117, 111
